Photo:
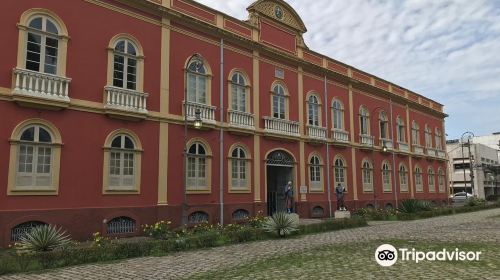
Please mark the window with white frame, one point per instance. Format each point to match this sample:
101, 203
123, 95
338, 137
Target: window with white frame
125, 64
418, 180
439, 143
428, 137
313, 110
367, 176
279, 101
364, 121
403, 178
122, 163
239, 169
430, 179
42, 48
340, 172
441, 180
197, 160
383, 125
386, 177
238, 92
315, 173
34, 161
400, 130
338, 115
415, 134
196, 77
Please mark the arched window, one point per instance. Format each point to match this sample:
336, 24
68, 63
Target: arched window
36, 150
197, 81
367, 176
340, 172
415, 134
22, 229
428, 137
418, 180
198, 167
403, 178
364, 121
42, 47
198, 217
240, 214
441, 180
400, 130
439, 141
430, 179
337, 115
125, 64
35, 157
315, 177
386, 177
238, 92
383, 125
122, 162
240, 176
313, 110
279, 102
120, 225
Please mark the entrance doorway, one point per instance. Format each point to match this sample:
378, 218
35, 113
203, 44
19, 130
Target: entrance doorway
279, 169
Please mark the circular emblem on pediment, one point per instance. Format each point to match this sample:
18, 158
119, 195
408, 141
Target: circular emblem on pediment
278, 12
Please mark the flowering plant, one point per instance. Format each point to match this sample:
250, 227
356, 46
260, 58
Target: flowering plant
158, 230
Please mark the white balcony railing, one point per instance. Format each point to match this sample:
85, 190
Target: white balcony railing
207, 112
126, 99
417, 149
386, 142
36, 84
403, 147
441, 154
430, 152
340, 136
366, 140
241, 119
280, 126
316, 132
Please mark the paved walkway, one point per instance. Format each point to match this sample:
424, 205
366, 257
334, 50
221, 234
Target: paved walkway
476, 226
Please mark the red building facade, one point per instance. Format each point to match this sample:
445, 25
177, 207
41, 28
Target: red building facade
92, 136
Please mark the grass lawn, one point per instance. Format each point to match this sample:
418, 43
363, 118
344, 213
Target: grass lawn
357, 261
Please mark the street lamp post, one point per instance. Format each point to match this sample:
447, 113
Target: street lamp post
469, 135
197, 124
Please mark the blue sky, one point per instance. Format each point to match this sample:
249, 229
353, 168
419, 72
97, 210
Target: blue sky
447, 50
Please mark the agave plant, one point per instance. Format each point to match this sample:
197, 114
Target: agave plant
281, 223
426, 205
43, 238
409, 206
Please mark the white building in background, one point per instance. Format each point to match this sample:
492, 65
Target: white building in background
492, 141
485, 168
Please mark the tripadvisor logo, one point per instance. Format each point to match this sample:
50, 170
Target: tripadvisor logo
387, 255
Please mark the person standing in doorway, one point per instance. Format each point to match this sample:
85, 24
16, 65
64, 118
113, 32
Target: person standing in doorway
289, 197
339, 191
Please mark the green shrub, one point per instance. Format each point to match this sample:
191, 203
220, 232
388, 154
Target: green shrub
257, 221
409, 206
425, 205
281, 223
159, 230
43, 238
475, 202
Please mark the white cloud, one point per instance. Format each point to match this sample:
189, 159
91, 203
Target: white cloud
447, 50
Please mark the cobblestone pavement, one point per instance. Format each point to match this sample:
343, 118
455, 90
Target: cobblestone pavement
472, 227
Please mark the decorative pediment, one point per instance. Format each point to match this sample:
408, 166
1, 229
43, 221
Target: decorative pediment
280, 11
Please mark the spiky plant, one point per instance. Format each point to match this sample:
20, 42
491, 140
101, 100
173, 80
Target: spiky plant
43, 238
281, 223
426, 205
409, 206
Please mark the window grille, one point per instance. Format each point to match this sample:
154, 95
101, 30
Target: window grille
121, 225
